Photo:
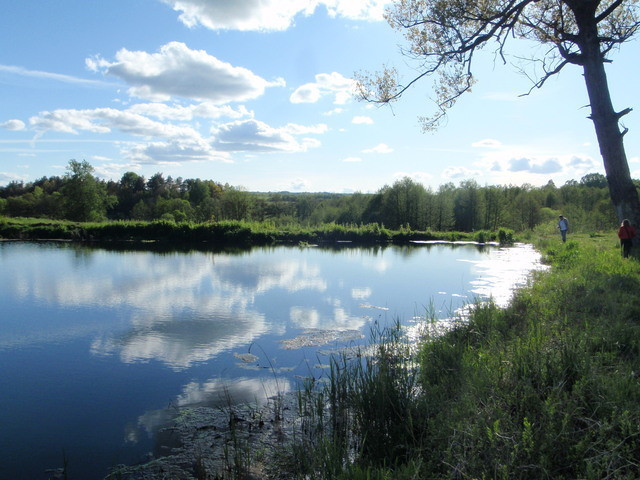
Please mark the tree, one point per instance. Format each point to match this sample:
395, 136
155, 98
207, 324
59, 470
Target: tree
445, 36
84, 196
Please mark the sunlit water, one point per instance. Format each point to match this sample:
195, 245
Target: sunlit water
96, 346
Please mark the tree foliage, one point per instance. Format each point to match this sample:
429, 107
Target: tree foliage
405, 204
84, 197
445, 36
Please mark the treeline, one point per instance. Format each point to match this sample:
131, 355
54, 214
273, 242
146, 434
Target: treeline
467, 207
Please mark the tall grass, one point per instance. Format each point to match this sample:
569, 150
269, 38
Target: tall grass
546, 388
236, 233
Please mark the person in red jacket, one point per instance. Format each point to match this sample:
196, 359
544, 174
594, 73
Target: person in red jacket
626, 233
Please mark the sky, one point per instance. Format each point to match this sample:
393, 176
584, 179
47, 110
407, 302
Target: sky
259, 94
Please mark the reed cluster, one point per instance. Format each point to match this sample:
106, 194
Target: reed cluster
228, 233
546, 388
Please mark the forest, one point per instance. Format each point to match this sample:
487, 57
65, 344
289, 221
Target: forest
80, 196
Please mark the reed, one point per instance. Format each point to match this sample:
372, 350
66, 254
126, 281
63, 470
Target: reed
546, 388
228, 233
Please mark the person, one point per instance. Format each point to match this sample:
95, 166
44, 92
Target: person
563, 225
626, 233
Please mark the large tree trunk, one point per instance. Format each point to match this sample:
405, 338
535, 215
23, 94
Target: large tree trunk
610, 139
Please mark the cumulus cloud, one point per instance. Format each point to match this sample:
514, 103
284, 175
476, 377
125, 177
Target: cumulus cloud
268, 15
380, 148
14, 125
487, 143
255, 136
453, 173
167, 142
163, 111
327, 84
362, 120
178, 71
104, 120
420, 177
298, 185
551, 165
174, 152
335, 111
6, 177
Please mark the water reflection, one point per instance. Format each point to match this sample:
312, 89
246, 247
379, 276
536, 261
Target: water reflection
503, 271
102, 336
213, 393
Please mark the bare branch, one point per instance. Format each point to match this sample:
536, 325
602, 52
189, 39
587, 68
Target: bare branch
546, 76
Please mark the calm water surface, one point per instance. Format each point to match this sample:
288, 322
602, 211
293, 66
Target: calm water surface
97, 346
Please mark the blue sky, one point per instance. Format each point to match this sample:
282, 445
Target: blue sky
257, 93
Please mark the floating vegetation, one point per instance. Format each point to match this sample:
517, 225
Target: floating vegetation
313, 337
366, 305
246, 357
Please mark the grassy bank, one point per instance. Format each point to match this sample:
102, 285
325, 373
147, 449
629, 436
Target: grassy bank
226, 233
546, 388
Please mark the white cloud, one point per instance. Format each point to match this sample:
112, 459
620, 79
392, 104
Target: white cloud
184, 113
47, 75
548, 166
178, 71
296, 129
298, 185
453, 173
335, 111
255, 136
7, 177
114, 170
104, 120
380, 148
420, 177
352, 159
487, 143
327, 84
268, 15
357, 9
14, 125
174, 152
362, 120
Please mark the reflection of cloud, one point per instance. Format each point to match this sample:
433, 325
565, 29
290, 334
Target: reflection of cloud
214, 394
183, 309
339, 319
361, 293
239, 391
179, 344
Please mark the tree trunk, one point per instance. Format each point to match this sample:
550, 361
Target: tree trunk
610, 139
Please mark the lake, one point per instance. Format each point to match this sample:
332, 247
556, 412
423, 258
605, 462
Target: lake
97, 345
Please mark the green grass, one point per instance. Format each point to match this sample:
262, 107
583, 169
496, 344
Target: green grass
226, 233
546, 388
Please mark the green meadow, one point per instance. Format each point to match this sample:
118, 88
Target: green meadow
548, 387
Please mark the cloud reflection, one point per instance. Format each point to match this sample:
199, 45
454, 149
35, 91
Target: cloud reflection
179, 309
213, 393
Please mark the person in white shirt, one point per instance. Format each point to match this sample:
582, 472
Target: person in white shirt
563, 225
